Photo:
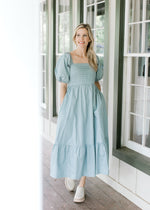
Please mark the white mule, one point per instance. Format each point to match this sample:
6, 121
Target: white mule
79, 195
70, 184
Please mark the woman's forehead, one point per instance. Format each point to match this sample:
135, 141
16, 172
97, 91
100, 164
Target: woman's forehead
82, 30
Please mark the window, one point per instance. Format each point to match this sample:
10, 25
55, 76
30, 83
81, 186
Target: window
43, 52
95, 16
63, 35
137, 76
131, 84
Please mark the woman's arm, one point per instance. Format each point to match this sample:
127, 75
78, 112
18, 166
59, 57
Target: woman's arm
63, 89
98, 85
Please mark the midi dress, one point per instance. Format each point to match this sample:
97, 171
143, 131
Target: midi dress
81, 146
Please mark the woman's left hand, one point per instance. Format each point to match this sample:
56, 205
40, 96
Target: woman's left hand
98, 85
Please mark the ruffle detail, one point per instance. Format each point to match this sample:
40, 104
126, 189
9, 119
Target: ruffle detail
76, 161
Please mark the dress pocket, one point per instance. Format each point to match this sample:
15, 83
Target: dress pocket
62, 105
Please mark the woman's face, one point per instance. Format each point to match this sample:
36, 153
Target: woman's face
82, 38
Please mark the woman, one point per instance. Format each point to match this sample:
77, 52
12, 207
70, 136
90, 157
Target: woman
81, 146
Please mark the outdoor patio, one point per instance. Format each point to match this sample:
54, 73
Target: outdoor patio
99, 195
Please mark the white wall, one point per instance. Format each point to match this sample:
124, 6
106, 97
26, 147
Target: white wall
19, 113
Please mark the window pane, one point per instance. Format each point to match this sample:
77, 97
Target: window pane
44, 101
99, 41
137, 100
148, 10
67, 5
44, 79
147, 133
147, 112
136, 8
60, 43
44, 62
147, 38
137, 70
90, 2
43, 28
61, 7
67, 42
90, 16
60, 23
136, 129
66, 23
135, 33
100, 15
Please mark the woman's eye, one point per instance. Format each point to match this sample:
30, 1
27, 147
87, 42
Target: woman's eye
83, 35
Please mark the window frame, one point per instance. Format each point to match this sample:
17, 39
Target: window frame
129, 85
53, 112
45, 107
125, 154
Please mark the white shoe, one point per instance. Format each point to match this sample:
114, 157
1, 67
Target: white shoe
70, 184
79, 195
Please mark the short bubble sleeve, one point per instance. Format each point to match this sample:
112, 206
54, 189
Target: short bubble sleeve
99, 73
62, 69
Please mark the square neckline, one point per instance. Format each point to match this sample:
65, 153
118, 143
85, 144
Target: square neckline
75, 63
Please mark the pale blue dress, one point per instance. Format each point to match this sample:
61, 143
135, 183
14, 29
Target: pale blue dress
81, 145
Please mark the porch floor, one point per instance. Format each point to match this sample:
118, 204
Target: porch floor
99, 195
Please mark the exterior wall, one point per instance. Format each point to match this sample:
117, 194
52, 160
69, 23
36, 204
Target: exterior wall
130, 182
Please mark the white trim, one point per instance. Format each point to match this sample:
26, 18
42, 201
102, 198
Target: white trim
138, 22
139, 115
138, 147
95, 3
133, 197
126, 39
138, 85
137, 55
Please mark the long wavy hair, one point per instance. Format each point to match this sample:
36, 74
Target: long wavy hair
91, 55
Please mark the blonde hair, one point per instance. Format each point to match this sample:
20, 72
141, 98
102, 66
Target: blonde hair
91, 55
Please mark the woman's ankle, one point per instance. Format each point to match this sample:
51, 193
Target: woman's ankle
81, 185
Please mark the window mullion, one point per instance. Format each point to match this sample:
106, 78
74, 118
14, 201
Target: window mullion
63, 27
95, 13
85, 11
129, 65
143, 26
126, 27
57, 27
145, 105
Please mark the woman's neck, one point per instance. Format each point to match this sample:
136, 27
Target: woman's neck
81, 52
